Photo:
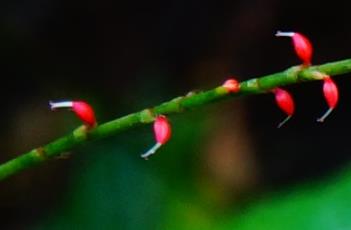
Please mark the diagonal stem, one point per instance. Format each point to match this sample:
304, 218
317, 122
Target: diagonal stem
82, 135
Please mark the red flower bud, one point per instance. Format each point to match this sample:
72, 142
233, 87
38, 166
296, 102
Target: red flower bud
82, 110
331, 95
232, 85
302, 46
285, 102
162, 132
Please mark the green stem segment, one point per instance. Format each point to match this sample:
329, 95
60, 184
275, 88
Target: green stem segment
253, 86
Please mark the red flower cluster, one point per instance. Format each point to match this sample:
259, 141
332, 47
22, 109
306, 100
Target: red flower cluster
162, 128
304, 50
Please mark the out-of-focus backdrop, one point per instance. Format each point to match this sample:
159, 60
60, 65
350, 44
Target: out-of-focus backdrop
227, 166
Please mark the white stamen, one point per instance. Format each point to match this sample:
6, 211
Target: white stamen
151, 151
284, 34
321, 119
62, 104
283, 122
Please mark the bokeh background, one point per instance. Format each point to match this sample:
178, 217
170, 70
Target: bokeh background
226, 166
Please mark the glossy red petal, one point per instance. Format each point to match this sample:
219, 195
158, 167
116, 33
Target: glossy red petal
284, 100
162, 129
303, 48
331, 92
84, 112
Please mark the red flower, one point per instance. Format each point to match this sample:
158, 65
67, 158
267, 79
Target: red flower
232, 85
331, 95
82, 109
285, 102
302, 45
162, 132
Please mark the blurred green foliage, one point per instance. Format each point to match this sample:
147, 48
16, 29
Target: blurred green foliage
112, 188
322, 205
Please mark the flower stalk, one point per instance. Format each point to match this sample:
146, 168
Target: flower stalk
80, 136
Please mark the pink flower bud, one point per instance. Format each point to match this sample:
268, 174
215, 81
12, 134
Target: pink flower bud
232, 85
82, 110
331, 95
285, 102
302, 46
162, 129
162, 132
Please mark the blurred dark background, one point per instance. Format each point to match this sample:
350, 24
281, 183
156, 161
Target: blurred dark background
225, 163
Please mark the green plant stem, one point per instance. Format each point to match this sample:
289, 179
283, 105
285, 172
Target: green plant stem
192, 100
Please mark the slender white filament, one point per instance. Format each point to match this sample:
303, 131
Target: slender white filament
283, 122
62, 104
284, 34
151, 151
321, 119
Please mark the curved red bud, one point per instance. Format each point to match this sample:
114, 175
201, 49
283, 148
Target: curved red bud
285, 102
331, 95
303, 48
162, 129
302, 45
162, 132
82, 109
85, 112
232, 85
331, 92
